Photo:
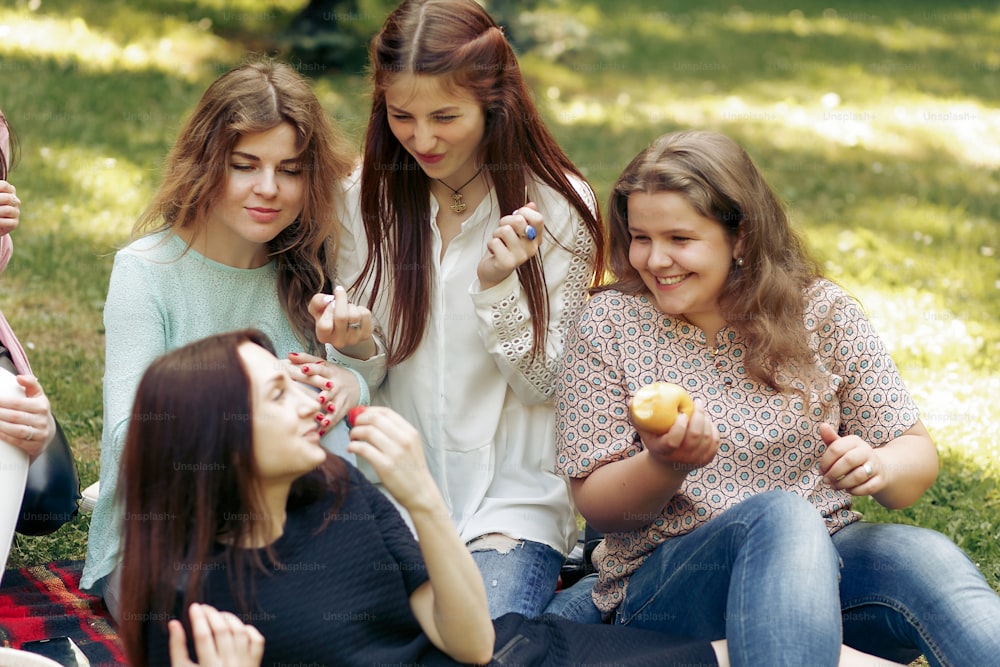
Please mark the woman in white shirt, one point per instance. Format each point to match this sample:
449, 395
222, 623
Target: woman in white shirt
487, 239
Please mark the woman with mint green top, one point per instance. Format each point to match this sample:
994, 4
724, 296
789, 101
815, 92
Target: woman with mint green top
235, 237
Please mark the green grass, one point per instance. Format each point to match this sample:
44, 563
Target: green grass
877, 126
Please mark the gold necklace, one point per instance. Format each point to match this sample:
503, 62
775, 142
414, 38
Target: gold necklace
457, 205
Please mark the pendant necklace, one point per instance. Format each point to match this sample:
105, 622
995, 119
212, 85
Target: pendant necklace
457, 205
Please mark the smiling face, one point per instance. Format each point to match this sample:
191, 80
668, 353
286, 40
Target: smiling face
683, 257
285, 431
440, 126
263, 194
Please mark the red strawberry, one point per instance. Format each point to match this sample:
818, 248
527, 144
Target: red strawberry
353, 413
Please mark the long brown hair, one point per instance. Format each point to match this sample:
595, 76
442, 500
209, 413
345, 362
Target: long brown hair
188, 477
8, 147
456, 39
764, 298
257, 97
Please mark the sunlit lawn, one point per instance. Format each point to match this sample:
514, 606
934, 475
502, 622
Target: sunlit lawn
879, 127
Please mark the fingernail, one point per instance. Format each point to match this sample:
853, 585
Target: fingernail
530, 233
305, 369
326, 422
330, 407
321, 433
329, 385
319, 418
322, 399
294, 354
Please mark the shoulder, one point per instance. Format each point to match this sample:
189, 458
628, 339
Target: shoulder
553, 201
156, 247
350, 185
825, 301
611, 315
612, 304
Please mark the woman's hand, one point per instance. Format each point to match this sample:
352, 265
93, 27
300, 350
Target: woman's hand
392, 446
345, 325
26, 422
515, 241
221, 639
451, 607
10, 208
339, 390
850, 464
691, 442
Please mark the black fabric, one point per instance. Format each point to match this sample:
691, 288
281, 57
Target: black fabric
52, 491
340, 596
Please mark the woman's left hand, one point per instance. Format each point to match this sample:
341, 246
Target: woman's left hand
850, 464
515, 241
10, 208
26, 422
338, 387
345, 325
221, 639
393, 448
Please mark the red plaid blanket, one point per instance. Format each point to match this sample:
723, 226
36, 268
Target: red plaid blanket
45, 601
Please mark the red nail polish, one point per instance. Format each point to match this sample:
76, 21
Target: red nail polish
330, 407
326, 422
294, 354
319, 418
329, 385
305, 369
322, 399
321, 433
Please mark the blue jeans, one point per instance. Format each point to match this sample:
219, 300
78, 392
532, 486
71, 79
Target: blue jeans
522, 580
906, 590
576, 603
763, 575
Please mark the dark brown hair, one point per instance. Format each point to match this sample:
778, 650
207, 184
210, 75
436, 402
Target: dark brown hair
257, 97
765, 298
9, 148
189, 477
458, 40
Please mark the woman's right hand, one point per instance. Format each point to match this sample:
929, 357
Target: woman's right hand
221, 639
10, 208
691, 442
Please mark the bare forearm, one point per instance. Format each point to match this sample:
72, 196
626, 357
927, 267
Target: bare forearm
910, 464
460, 611
627, 494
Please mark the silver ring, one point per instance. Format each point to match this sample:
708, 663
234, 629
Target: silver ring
31, 434
868, 470
354, 325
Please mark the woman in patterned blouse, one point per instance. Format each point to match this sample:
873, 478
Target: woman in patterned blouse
737, 522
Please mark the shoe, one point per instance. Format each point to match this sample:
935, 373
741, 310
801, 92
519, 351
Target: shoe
89, 499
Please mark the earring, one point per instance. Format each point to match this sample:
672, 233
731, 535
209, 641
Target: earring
739, 261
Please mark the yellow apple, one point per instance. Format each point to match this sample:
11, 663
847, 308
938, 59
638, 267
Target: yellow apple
655, 407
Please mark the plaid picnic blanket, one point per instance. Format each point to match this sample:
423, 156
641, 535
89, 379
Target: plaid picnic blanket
45, 601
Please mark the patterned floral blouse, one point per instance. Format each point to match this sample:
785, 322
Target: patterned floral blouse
770, 440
